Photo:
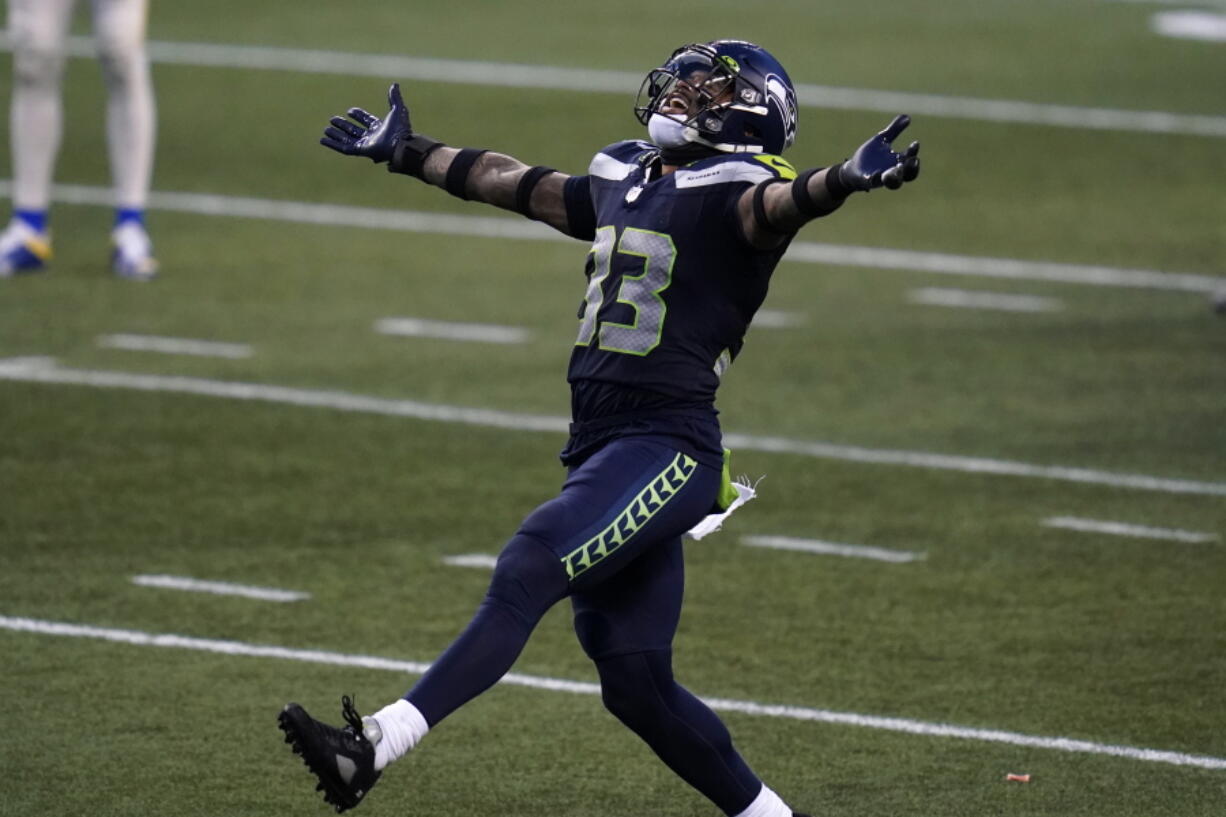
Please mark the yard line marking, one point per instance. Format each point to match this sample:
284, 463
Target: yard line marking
46, 370
521, 229
1191, 25
446, 330
833, 548
1124, 529
565, 78
965, 299
472, 560
799, 713
175, 346
218, 588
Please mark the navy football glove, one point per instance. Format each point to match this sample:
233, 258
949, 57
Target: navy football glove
368, 135
875, 164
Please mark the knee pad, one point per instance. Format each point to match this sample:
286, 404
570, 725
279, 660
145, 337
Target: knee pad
528, 578
122, 59
635, 687
38, 65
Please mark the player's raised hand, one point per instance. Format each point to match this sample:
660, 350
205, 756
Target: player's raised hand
368, 135
875, 164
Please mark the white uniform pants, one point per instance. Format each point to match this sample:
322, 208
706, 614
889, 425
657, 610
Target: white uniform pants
38, 30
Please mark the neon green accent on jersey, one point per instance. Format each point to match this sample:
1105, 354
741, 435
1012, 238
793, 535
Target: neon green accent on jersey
727, 493
732, 64
602, 249
778, 164
633, 517
641, 293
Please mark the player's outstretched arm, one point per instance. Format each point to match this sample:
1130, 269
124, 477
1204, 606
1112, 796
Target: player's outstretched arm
772, 211
479, 175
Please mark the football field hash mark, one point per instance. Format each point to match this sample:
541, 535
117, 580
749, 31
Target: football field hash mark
751, 708
175, 346
218, 588
965, 299
821, 548
45, 370
1191, 25
1124, 529
777, 319
483, 560
447, 330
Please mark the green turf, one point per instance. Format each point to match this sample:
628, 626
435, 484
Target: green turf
1006, 624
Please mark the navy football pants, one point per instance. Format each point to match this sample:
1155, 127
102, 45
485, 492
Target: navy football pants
611, 540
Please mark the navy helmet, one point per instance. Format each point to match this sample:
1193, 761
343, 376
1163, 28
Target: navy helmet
746, 102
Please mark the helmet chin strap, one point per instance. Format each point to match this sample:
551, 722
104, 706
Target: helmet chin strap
690, 153
674, 139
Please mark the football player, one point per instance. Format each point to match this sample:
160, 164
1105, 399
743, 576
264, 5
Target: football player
38, 30
685, 230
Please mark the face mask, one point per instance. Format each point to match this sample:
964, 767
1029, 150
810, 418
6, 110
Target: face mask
666, 131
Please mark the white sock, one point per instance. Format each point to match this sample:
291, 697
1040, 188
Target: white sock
398, 728
767, 804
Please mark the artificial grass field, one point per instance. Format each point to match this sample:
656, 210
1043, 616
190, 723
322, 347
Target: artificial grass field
1005, 624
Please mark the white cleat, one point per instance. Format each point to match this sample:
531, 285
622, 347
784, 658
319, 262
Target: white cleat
133, 253
23, 249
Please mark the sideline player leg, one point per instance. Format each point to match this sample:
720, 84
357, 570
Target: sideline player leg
119, 31
37, 30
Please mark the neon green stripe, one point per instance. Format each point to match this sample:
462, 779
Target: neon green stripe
638, 513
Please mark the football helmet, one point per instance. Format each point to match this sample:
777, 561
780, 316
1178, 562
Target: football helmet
740, 100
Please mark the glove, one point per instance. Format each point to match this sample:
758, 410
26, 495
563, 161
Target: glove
875, 164
371, 136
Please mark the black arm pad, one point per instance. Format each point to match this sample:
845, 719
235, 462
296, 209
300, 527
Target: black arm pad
527, 183
410, 154
834, 183
457, 173
804, 200
759, 207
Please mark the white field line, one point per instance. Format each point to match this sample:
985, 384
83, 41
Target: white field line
1220, 3
799, 713
175, 346
521, 229
445, 330
777, 319
996, 301
218, 588
1124, 529
1191, 25
833, 549
45, 370
483, 560
389, 67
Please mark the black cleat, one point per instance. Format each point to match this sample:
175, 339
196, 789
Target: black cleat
342, 759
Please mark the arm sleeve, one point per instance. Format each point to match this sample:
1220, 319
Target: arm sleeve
580, 214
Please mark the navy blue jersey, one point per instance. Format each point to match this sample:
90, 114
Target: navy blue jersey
672, 287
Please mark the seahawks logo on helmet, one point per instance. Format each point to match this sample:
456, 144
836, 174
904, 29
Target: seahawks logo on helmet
781, 95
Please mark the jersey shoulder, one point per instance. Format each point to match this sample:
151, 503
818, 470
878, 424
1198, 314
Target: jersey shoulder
752, 168
618, 160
